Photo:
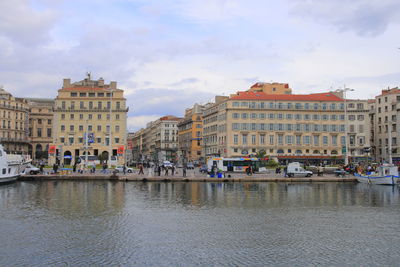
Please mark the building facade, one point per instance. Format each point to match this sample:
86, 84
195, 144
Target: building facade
14, 114
90, 117
40, 127
160, 140
213, 122
286, 126
190, 130
385, 116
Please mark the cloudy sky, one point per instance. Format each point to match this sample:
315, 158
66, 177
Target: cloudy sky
168, 54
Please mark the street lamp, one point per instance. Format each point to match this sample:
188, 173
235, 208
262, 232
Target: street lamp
344, 90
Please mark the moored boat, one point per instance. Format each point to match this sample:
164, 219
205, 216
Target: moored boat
385, 175
11, 166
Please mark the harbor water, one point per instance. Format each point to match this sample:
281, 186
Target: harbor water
103, 223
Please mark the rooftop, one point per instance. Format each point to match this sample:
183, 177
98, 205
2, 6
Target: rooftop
248, 95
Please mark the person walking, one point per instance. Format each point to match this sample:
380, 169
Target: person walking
124, 169
159, 170
172, 170
184, 170
141, 169
166, 171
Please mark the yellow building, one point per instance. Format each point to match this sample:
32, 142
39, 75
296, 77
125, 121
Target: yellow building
286, 126
190, 130
14, 114
94, 109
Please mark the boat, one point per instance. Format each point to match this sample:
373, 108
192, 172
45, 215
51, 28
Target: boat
385, 175
11, 166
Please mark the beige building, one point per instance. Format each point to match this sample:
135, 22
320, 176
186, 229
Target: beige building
271, 88
159, 140
94, 109
287, 126
40, 127
385, 133
359, 129
14, 113
190, 130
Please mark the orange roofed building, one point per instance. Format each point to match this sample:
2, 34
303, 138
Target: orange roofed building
293, 127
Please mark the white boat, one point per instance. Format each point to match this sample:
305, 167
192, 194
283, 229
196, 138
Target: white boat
385, 175
11, 166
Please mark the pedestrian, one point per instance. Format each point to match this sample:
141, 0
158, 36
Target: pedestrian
184, 170
141, 169
124, 169
104, 167
93, 168
41, 168
74, 167
172, 170
166, 171
55, 167
285, 171
159, 170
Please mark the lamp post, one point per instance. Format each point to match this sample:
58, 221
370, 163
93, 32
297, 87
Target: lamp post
344, 90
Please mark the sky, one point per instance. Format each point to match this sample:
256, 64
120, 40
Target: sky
169, 54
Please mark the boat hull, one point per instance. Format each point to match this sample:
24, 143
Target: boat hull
9, 179
383, 180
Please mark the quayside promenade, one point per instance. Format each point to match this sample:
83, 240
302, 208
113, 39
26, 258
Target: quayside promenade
190, 177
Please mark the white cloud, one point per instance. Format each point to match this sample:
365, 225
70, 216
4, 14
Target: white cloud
137, 122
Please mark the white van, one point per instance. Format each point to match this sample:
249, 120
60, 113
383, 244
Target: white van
294, 169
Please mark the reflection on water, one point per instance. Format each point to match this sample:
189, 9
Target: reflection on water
184, 224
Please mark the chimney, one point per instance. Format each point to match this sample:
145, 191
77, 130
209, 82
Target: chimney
66, 83
113, 85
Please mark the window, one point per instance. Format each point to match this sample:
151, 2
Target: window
271, 139
117, 130
118, 105
306, 140
271, 116
71, 140
280, 116
298, 139
235, 126
297, 116
235, 115
39, 132
324, 106
99, 105
333, 106
72, 116
98, 140
80, 140
81, 105
90, 128
81, 116
74, 94
316, 106
48, 132
100, 94
334, 140
289, 139
261, 115
62, 128
262, 139
343, 140
81, 128
244, 139
99, 116
117, 140
253, 139
325, 140
244, 115
289, 116
63, 116
99, 128
39, 121
90, 104
117, 116
360, 117
235, 139
280, 139
71, 127
316, 140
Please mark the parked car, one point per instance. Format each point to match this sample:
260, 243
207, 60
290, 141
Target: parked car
167, 164
30, 169
190, 165
294, 169
120, 168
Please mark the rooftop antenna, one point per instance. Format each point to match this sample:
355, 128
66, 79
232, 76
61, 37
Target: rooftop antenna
88, 75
